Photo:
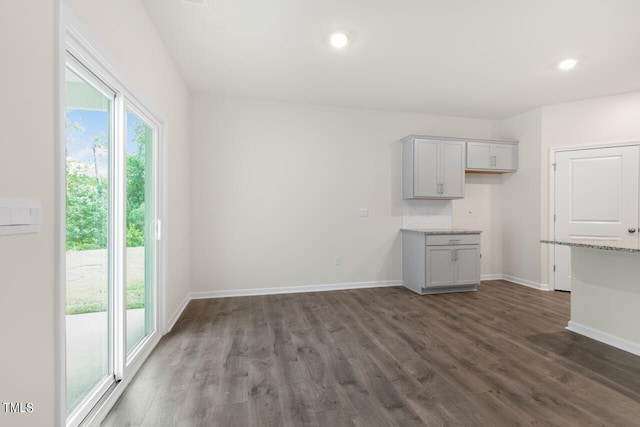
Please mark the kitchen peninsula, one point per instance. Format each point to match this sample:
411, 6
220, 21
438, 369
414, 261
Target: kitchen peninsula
605, 290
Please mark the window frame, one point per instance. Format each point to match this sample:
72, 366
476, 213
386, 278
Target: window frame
75, 42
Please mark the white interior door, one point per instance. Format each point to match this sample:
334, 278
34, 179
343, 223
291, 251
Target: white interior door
596, 197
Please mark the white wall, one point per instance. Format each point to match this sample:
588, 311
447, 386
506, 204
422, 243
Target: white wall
481, 209
28, 117
276, 190
521, 223
605, 297
525, 207
124, 33
592, 121
27, 268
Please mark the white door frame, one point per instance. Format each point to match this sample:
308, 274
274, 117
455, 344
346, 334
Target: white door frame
75, 38
552, 192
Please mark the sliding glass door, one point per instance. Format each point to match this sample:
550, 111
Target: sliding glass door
111, 234
89, 288
140, 215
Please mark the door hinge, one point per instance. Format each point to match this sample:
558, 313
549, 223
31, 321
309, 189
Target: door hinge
554, 268
554, 217
554, 166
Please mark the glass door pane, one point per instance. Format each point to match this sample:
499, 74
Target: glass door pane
140, 217
88, 303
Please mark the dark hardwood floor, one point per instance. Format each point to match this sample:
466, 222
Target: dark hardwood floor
382, 357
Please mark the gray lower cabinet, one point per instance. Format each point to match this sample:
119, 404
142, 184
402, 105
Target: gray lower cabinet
437, 263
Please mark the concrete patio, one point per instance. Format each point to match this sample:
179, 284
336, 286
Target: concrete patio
87, 349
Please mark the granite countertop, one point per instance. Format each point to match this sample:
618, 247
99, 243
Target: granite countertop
441, 230
625, 244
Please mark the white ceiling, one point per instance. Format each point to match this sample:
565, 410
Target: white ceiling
475, 58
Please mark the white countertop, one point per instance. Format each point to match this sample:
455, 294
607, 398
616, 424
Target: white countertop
625, 244
441, 231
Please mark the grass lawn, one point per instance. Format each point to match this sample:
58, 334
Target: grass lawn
87, 278
90, 299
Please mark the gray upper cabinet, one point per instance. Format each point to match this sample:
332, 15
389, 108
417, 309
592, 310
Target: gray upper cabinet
492, 156
432, 168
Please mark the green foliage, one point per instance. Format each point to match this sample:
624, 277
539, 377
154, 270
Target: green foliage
136, 180
87, 211
88, 203
135, 237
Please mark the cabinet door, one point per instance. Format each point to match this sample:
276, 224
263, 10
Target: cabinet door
440, 267
505, 156
467, 265
452, 169
478, 155
425, 169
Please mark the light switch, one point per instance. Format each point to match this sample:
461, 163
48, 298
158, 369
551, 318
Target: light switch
19, 216
34, 216
5, 216
364, 212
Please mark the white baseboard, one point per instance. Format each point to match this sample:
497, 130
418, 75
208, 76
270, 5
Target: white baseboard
491, 277
293, 289
528, 283
176, 315
320, 288
274, 291
517, 280
604, 337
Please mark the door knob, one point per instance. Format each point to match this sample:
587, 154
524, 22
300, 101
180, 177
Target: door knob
632, 230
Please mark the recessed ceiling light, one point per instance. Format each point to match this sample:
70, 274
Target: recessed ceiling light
567, 64
339, 40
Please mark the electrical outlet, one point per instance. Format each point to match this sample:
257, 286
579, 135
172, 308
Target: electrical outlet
337, 260
364, 212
